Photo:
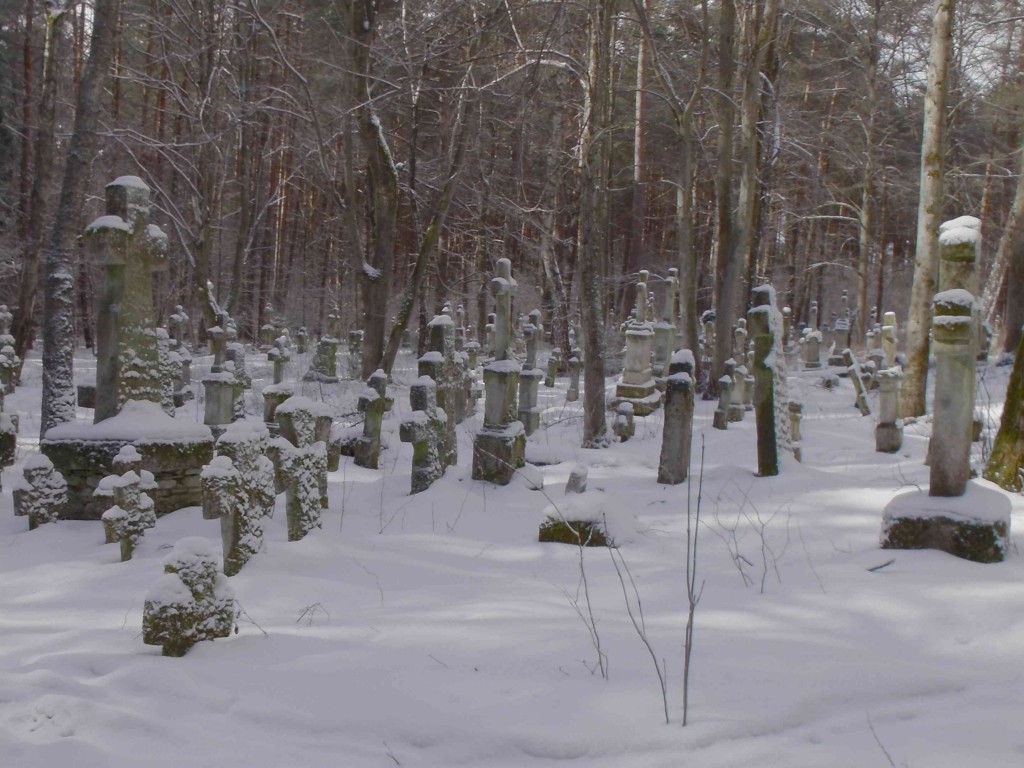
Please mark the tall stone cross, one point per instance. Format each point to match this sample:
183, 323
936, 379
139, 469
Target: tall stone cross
504, 288
641, 297
133, 249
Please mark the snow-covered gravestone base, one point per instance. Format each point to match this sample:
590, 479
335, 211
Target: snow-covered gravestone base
300, 459
131, 516
637, 385
424, 428
500, 445
41, 492
677, 432
974, 526
581, 518
238, 488
174, 450
190, 603
127, 357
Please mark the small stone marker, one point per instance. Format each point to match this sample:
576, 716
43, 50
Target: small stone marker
131, 516
372, 404
529, 379
572, 394
624, 426
721, 418
554, 365
300, 461
355, 354
190, 603
41, 493
889, 430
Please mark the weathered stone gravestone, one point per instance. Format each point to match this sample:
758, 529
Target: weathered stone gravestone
372, 404
499, 447
763, 325
425, 428
178, 327
637, 385
677, 432
132, 514
738, 375
278, 392
355, 354
442, 363
300, 340
889, 338
624, 425
554, 365
300, 459
10, 363
796, 412
325, 359
812, 341
857, 378
889, 430
41, 493
578, 518
127, 357
529, 379
170, 371
721, 418
665, 331
221, 386
191, 602
962, 517
572, 394
238, 489
841, 333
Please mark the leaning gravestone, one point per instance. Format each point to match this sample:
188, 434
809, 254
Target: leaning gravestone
190, 603
127, 358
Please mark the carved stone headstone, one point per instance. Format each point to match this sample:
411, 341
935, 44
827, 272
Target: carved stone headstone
637, 385
372, 404
131, 516
325, 359
300, 461
127, 357
425, 428
529, 379
677, 433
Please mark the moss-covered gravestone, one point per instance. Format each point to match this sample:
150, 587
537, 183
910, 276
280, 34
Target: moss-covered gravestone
577, 519
191, 602
41, 493
325, 359
127, 355
554, 366
132, 514
442, 363
529, 379
1005, 465
372, 404
238, 489
424, 428
300, 458
355, 354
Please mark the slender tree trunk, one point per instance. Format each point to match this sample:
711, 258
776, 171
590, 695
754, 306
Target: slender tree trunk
59, 396
929, 213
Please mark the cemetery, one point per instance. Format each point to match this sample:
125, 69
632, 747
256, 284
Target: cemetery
293, 514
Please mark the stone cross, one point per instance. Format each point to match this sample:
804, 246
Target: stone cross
300, 340
131, 516
441, 363
41, 494
575, 366
424, 428
857, 377
133, 250
504, 288
529, 379
191, 602
300, 459
238, 488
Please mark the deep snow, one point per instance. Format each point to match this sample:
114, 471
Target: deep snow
433, 630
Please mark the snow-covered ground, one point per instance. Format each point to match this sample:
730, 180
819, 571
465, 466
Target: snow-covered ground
433, 630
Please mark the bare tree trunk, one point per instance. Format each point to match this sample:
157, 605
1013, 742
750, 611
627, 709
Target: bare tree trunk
929, 213
59, 396
1010, 260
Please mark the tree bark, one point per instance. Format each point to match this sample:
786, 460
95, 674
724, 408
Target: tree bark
59, 397
929, 213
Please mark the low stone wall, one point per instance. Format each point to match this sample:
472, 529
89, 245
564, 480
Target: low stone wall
174, 451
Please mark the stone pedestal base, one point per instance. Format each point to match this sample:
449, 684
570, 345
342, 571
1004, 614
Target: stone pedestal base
975, 526
498, 453
888, 438
645, 398
273, 396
